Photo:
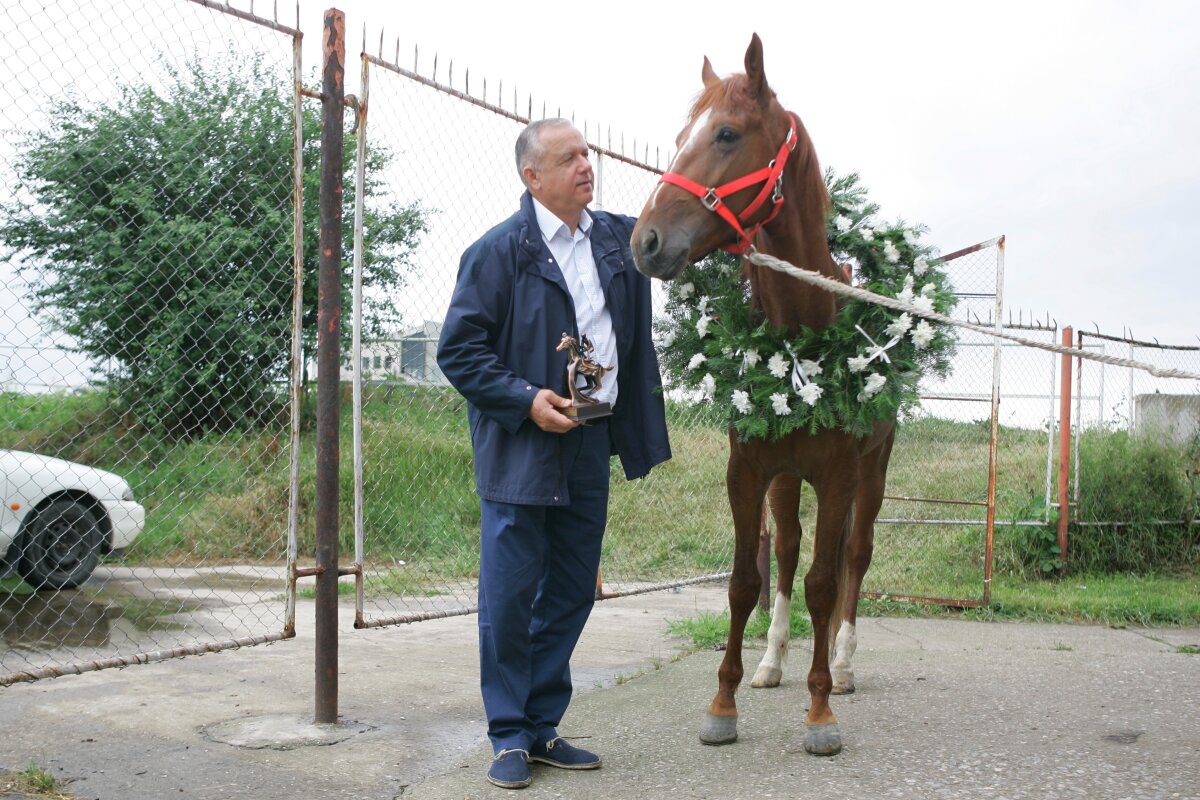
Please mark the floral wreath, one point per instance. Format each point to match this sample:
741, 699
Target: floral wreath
862, 369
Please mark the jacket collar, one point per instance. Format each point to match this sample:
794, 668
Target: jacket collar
606, 249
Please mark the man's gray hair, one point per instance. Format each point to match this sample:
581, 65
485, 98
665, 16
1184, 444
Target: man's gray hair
529, 143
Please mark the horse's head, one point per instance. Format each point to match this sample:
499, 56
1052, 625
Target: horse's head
565, 342
736, 128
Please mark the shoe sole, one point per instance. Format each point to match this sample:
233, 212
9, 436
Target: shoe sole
561, 765
509, 784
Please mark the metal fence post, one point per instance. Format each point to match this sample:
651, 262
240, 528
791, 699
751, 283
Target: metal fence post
1064, 448
329, 287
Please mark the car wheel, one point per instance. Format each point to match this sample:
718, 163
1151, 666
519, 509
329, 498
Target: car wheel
62, 546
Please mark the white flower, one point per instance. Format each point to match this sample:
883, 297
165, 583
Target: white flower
696, 361
810, 393
900, 326
751, 357
920, 265
668, 339
910, 236
843, 223
686, 290
890, 252
928, 289
708, 386
906, 294
741, 401
811, 368
858, 363
867, 233
727, 351
874, 383
702, 304
779, 405
923, 303
778, 365
922, 335
702, 325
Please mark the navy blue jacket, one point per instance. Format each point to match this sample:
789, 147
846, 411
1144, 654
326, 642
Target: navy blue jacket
509, 309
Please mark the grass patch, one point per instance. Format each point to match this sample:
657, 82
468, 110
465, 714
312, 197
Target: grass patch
1189, 649
224, 498
33, 781
708, 630
344, 589
1112, 600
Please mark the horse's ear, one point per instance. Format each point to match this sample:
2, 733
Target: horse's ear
707, 75
754, 69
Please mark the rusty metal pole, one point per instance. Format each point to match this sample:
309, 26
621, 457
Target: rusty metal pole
989, 534
329, 312
1064, 448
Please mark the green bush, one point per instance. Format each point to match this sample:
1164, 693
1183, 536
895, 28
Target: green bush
1136, 505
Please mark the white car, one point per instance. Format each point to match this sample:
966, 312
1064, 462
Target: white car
59, 517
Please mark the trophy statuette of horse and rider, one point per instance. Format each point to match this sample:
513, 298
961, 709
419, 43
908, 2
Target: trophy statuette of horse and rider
582, 367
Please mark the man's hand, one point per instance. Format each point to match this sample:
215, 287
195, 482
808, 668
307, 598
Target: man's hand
545, 414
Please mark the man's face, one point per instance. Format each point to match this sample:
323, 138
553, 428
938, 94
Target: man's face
562, 180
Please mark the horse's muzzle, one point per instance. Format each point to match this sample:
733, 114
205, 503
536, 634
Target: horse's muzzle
659, 254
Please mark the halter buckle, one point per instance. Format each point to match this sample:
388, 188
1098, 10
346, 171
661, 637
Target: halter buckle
777, 195
711, 200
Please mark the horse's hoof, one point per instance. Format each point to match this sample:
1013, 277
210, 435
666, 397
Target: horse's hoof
766, 677
848, 689
823, 740
843, 681
718, 730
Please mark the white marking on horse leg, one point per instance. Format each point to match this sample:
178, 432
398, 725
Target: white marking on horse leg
843, 650
770, 670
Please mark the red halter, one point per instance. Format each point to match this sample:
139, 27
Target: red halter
770, 176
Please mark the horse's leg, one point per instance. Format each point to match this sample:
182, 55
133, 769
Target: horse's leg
835, 497
872, 476
746, 486
784, 496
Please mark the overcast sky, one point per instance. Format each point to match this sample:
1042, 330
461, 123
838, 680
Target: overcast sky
1070, 127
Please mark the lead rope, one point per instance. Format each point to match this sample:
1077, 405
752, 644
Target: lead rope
837, 287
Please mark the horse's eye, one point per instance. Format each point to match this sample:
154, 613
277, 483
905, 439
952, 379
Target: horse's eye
727, 136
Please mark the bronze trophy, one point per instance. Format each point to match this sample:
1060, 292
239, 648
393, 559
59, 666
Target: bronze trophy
584, 405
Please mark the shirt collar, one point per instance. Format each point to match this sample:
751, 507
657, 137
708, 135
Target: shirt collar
552, 226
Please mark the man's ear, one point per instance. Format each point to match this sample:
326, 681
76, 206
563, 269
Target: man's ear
530, 175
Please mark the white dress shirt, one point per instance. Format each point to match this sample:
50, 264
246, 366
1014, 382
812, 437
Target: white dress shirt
573, 254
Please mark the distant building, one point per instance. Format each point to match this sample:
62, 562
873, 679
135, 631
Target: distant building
409, 357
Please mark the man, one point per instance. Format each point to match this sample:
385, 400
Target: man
554, 267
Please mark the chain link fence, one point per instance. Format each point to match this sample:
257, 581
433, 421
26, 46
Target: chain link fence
451, 151
155, 340
1135, 499
146, 330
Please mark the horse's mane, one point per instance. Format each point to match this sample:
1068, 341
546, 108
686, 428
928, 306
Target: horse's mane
733, 91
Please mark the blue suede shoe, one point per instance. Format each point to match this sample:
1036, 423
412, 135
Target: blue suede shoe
509, 769
558, 752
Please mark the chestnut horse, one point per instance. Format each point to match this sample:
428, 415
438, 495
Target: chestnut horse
740, 141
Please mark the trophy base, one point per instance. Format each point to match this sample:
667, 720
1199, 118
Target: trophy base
589, 411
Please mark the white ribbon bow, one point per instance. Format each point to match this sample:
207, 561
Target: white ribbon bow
800, 378
878, 352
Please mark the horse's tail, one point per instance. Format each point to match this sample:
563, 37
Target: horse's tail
843, 583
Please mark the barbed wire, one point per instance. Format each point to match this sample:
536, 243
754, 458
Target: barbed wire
837, 287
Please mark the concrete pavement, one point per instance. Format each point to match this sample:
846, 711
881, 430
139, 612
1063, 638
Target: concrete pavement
944, 708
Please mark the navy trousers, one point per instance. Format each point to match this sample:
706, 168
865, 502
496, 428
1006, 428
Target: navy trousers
537, 585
